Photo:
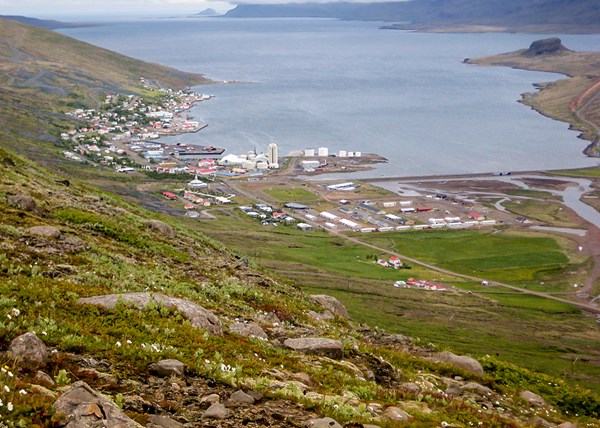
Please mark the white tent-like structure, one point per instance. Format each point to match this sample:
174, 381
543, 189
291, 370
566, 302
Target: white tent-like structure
197, 184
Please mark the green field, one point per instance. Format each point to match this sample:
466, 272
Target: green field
291, 194
551, 213
505, 257
588, 172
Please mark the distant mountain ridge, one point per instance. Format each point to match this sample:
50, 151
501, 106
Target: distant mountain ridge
48, 24
572, 16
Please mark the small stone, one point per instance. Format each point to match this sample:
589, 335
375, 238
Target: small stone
302, 377
462, 362
216, 411
320, 346
44, 379
396, 414
411, 387
161, 227
28, 351
539, 422
375, 408
332, 304
532, 398
478, 388
45, 231
166, 368
161, 421
323, 423
241, 397
211, 399
250, 329
23, 202
567, 424
40, 390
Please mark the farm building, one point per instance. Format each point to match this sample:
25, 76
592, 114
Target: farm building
342, 186
350, 224
328, 216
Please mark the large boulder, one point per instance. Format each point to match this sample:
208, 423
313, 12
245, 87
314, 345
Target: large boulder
315, 345
196, 314
462, 362
330, 303
81, 407
28, 351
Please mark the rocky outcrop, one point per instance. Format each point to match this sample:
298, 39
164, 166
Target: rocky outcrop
162, 228
314, 345
544, 47
331, 304
197, 315
80, 406
28, 351
462, 362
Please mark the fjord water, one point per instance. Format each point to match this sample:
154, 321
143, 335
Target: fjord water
351, 86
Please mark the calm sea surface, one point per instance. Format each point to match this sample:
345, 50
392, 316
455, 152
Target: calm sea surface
350, 86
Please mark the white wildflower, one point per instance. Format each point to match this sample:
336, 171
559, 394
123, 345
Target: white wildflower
22, 392
6, 388
8, 316
118, 343
15, 312
9, 373
9, 406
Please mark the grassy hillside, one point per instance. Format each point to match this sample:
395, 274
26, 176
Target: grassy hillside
228, 323
44, 74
